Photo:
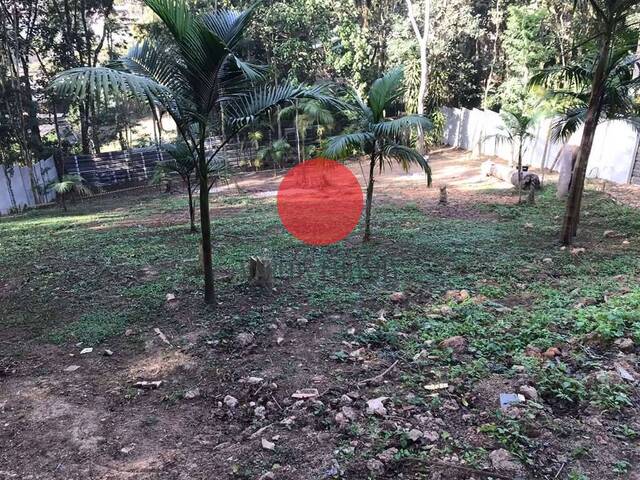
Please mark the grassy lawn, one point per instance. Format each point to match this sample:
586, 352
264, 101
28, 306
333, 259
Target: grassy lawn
91, 275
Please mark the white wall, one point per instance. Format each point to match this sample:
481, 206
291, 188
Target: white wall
17, 181
612, 156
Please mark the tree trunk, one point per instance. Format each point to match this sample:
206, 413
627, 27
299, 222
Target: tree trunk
574, 201
369, 201
494, 58
520, 172
205, 224
423, 39
192, 210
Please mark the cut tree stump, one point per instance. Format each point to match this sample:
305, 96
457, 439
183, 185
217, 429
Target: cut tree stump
260, 272
444, 199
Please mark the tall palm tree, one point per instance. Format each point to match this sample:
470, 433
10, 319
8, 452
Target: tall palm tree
384, 140
306, 114
191, 77
516, 132
609, 21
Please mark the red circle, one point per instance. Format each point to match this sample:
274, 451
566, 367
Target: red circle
320, 201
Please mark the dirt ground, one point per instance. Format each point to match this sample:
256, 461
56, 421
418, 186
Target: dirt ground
223, 405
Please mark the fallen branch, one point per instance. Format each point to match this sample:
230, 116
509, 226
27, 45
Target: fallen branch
378, 377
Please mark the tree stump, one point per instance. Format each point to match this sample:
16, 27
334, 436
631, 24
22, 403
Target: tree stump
531, 197
444, 199
260, 272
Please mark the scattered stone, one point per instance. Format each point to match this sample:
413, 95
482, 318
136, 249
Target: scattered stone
551, 353
436, 386
267, 445
268, 476
414, 435
127, 450
503, 461
128, 332
451, 404
624, 344
351, 331
306, 393
547, 260
86, 350
458, 343
245, 339
508, 399
170, 297
375, 406
341, 420
446, 310
279, 340
231, 402
626, 242
72, 368
260, 412
253, 380
624, 373
431, 436
349, 413
577, 251
107, 353
387, 455
398, 297
529, 392
346, 400
162, 336
191, 394
611, 234
376, 467
302, 321
148, 385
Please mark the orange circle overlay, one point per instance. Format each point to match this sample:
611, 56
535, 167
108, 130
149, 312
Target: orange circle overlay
320, 201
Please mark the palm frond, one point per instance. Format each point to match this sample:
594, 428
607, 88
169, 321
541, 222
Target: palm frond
406, 156
68, 184
229, 25
385, 91
243, 109
342, 146
103, 82
396, 127
569, 123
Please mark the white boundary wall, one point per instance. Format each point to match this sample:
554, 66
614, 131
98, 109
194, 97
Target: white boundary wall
15, 186
612, 157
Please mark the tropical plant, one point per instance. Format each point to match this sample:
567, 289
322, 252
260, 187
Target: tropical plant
384, 140
516, 132
67, 186
305, 114
192, 75
183, 164
609, 23
275, 153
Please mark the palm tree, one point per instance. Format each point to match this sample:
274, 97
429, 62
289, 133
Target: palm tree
305, 114
183, 164
192, 76
382, 139
68, 185
275, 153
516, 132
609, 22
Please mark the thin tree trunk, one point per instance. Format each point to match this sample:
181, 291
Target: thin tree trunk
423, 39
192, 210
574, 201
369, 201
494, 57
205, 224
545, 153
520, 173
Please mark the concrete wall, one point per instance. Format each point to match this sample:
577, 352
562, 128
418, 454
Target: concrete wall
612, 156
15, 186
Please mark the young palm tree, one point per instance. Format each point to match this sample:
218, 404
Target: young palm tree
609, 22
304, 115
184, 165
382, 139
191, 77
68, 185
516, 132
275, 153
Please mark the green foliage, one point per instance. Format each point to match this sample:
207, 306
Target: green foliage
610, 397
556, 382
91, 328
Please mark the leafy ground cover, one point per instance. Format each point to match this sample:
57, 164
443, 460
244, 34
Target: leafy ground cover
453, 304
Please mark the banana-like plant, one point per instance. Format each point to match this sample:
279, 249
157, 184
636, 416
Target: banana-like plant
384, 140
192, 77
